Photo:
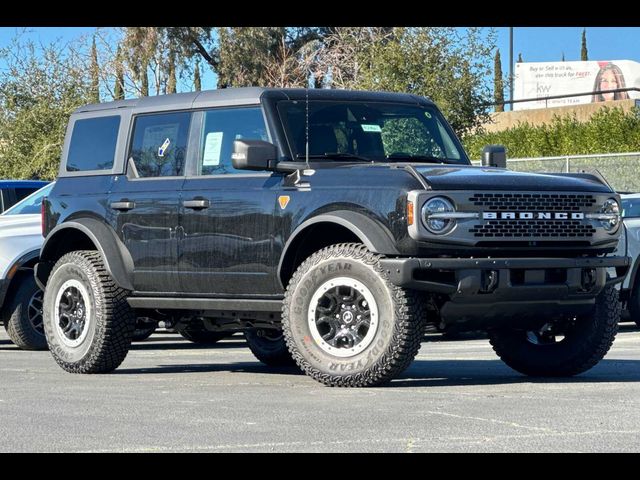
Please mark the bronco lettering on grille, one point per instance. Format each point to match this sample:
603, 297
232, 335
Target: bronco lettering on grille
533, 215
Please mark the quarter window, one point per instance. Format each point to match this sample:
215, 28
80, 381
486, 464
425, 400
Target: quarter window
221, 128
159, 145
93, 144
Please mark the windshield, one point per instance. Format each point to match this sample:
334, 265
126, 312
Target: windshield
31, 204
369, 131
630, 207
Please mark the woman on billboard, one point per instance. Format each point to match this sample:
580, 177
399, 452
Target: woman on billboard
609, 77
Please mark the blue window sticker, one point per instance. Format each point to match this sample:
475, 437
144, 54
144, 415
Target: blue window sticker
164, 147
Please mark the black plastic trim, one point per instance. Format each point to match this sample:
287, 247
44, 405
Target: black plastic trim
401, 270
117, 259
4, 286
222, 304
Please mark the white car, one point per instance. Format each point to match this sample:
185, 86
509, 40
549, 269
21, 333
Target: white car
20, 297
629, 244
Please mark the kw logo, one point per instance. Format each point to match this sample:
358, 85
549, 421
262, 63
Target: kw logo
544, 89
283, 200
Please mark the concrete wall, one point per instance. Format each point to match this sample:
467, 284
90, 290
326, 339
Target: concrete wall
538, 116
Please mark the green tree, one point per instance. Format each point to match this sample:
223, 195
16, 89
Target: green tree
264, 56
118, 90
197, 83
584, 53
498, 84
39, 88
171, 80
444, 64
94, 69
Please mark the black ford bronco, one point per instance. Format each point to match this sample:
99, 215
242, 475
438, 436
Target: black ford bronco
330, 226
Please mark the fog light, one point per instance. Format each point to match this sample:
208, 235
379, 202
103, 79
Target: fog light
588, 279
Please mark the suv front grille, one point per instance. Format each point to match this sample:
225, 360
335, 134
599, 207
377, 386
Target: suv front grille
533, 202
533, 228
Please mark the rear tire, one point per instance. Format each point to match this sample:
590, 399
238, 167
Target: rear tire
269, 346
23, 314
345, 323
87, 320
585, 342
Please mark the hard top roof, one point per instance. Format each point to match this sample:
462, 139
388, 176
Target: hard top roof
247, 96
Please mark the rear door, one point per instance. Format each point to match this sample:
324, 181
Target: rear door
145, 202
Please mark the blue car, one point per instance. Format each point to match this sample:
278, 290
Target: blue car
12, 191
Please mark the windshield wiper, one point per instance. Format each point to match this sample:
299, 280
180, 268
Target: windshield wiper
420, 158
334, 156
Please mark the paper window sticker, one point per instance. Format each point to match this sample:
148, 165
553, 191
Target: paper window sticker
212, 149
371, 128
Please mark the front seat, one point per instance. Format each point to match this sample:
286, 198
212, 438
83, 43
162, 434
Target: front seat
322, 139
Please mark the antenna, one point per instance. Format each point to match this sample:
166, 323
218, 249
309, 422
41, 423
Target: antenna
306, 90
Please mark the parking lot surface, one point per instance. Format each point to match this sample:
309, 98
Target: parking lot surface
173, 396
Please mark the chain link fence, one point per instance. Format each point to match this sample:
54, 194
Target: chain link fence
621, 170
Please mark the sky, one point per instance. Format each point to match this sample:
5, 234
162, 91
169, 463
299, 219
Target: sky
536, 44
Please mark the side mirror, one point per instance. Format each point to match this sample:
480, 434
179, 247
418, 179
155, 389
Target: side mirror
494, 156
254, 155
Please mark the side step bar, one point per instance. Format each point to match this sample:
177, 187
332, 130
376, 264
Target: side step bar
221, 304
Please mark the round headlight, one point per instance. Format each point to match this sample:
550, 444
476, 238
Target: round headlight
612, 209
434, 215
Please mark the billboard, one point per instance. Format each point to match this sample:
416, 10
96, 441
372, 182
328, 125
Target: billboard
544, 79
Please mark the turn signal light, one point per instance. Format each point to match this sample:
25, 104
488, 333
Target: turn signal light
410, 216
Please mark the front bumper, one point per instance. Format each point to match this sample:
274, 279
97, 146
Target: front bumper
488, 292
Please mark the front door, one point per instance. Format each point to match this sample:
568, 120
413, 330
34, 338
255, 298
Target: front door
145, 203
228, 215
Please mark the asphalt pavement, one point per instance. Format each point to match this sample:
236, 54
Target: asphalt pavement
172, 396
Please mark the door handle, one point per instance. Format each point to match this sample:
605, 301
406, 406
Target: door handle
196, 204
123, 205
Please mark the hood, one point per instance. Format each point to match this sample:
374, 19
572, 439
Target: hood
462, 177
14, 226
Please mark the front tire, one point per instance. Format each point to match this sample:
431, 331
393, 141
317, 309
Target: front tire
87, 320
23, 314
345, 323
585, 341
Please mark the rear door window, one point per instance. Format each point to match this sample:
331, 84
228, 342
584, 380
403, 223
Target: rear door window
159, 145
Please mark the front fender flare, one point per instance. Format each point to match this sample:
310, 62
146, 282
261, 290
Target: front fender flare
375, 236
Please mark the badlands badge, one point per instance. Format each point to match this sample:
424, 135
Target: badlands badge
283, 200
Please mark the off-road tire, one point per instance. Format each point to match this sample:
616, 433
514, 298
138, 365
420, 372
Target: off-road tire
397, 337
16, 313
203, 337
111, 323
269, 346
583, 346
